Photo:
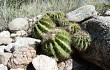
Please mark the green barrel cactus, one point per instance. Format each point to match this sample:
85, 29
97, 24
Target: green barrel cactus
57, 43
81, 40
73, 28
43, 26
56, 17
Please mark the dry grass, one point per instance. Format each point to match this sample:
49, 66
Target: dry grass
32, 8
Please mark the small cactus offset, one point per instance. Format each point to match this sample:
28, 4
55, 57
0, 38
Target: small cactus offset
57, 44
81, 40
58, 16
73, 28
43, 26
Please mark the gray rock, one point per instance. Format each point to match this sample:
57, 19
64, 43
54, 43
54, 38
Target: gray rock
2, 67
4, 57
99, 51
67, 65
18, 24
21, 57
27, 41
5, 34
107, 13
80, 64
81, 13
42, 62
22, 42
5, 40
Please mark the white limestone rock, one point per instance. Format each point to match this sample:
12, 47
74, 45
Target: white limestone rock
43, 62
5, 34
2, 67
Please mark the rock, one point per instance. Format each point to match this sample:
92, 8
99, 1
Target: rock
61, 66
81, 13
2, 67
99, 51
2, 48
21, 57
77, 64
107, 13
42, 62
67, 65
21, 33
5, 34
80, 64
22, 42
4, 57
12, 47
18, 24
5, 40
27, 41
18, 69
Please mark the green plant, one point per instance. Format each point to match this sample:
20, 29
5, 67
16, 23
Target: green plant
69, 26
73, 27
57, 43
43, 26
81, 40
56, 17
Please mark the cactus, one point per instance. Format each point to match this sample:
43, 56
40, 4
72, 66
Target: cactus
57, 44
57, 35
73, 28
43, 26
81, 40
56, 17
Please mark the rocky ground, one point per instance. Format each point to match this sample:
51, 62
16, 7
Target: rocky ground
19, 50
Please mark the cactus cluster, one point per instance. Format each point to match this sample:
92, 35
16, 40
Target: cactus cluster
81, 40
58, 34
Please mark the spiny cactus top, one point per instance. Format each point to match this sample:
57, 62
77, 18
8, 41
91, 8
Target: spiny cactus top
73, 28
81, 40
43, 26
56, 16
57, 44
